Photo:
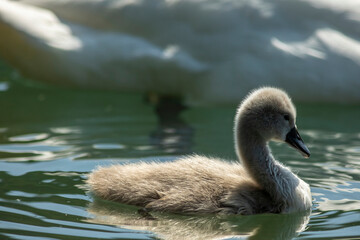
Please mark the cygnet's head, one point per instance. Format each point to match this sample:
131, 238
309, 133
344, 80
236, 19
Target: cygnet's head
270, 114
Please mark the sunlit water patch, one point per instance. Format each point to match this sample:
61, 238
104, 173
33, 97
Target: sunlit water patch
50, 140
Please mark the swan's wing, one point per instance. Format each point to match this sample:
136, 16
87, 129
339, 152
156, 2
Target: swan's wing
83, 56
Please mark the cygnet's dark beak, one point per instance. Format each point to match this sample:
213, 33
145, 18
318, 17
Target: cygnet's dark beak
293, 138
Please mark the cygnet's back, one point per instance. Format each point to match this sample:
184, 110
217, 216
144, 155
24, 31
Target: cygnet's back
191, 184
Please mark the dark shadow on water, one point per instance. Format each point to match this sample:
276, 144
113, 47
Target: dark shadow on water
176, 226
172, 135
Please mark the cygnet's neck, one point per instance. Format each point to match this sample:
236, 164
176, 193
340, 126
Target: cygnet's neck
254, 153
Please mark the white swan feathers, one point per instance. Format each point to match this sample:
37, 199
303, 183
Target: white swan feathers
198, 184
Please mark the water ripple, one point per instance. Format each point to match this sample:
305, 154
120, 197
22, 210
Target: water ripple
29, 137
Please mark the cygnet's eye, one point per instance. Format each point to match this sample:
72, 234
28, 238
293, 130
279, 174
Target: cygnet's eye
287, 117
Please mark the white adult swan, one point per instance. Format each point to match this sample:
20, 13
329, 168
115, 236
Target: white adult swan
205, 51
197, 184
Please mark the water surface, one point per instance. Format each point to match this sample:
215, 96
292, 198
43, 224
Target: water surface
51, 138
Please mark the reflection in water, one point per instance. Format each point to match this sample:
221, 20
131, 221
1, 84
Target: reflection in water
173, 226
173, 134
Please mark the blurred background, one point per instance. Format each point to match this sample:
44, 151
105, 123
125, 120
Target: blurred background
85, 83
203, 51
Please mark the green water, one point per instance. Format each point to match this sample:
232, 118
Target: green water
51, 138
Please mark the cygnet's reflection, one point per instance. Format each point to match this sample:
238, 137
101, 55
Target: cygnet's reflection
174, 226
